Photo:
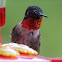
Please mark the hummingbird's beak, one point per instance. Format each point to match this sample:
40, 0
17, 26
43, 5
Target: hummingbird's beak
43, 15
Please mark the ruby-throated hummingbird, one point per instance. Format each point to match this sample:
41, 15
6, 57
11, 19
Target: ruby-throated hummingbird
27, 31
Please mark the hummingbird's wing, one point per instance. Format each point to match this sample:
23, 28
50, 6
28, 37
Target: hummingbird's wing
17, 33
14, 35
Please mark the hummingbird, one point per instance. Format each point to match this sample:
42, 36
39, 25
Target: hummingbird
27, 31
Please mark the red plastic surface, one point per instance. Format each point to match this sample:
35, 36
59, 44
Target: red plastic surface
56, 60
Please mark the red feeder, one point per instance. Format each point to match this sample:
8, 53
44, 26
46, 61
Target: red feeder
2, 15
57, 60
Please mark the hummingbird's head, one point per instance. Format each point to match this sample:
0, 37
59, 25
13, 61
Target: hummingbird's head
34, 12
33, 18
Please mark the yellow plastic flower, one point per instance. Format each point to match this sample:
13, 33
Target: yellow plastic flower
6, 51
21, 48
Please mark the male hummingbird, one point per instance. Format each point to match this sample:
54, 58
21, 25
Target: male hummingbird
27, 31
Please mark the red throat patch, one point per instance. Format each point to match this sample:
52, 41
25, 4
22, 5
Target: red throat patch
32, 23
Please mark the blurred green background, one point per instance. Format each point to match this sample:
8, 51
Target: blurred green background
51, 29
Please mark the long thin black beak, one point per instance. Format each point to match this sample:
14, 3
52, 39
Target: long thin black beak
44, 15
40, 14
